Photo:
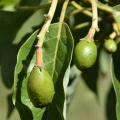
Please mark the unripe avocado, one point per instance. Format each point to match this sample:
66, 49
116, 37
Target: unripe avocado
85, 54
40, 87
110, 45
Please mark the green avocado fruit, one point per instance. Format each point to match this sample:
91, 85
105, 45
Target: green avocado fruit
110, 45
40, 87
85, 54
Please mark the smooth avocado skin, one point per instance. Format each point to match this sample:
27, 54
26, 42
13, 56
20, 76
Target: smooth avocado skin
85, 54
110, 46
40, 87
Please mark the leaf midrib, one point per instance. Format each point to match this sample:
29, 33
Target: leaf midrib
56, 49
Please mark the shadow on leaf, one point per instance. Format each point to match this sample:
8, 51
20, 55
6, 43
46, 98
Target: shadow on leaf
25, 112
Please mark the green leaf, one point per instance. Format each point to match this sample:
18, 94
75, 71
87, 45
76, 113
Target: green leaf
30, 2
57, 54
13, 21
33, 2
115, 71
27, 27
23, 60
116, 13
9, 2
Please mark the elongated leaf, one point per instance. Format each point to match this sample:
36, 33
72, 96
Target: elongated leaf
27, 27
23, 61
115, 71
13, 21
9, 2
57, 54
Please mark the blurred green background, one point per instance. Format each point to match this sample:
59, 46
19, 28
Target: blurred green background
90, 94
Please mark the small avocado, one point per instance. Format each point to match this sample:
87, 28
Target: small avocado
110, 45
85, 54
40, 87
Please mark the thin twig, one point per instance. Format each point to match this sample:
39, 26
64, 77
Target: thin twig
76, 11
41, 35
82, 25
94, 26
80, 8
95, 15
104, 7
62, 16
45, 27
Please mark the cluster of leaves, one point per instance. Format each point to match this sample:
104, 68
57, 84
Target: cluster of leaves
23, 18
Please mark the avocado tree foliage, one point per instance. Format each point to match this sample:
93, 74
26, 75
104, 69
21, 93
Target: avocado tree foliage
56, 36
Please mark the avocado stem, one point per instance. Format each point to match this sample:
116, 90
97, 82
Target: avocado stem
39, 59
49, 17
94, 26
91, 33
44, 30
